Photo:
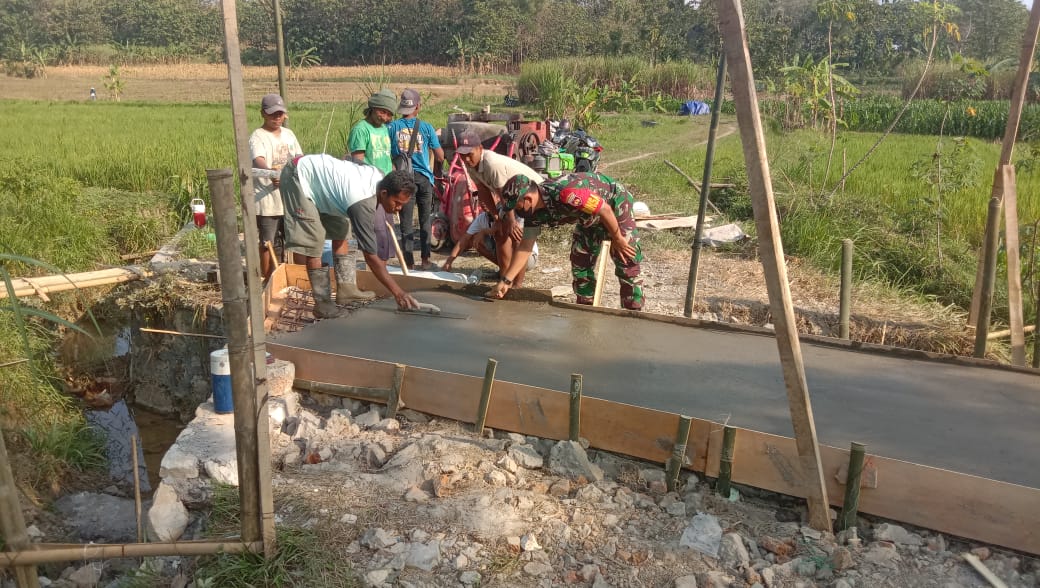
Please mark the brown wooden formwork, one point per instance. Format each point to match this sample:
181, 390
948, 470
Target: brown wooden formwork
959, 504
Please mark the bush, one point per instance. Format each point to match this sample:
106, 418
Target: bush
630, 75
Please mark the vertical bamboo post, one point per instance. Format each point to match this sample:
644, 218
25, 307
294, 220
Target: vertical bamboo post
771, 252
1007, 146
137, 488
852, 482
709, 157
729, 439
393, 401
260, 452
1036, 339
601, 270
236, 324
12, 523
678, 457
1016, 322
845, 308
279, 44
575, 409
989, 277
485, 396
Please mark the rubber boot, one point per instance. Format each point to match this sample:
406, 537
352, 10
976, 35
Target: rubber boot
346, 280
321, 288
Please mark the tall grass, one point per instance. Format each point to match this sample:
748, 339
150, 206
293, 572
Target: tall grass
672, 79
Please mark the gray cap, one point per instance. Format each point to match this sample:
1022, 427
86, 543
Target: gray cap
384, 99
272, 103
410, 100
466, 141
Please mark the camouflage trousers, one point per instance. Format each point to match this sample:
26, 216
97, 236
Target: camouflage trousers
586, 242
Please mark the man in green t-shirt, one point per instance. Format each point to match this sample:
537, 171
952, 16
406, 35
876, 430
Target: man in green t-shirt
369, 140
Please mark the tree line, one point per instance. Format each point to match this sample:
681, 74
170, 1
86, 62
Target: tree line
871, 36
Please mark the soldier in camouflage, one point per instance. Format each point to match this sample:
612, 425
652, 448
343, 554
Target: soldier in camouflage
600, 209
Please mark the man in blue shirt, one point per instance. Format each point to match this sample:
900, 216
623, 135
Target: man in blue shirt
426, 144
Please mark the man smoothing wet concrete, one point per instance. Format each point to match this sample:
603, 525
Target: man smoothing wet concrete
968, 419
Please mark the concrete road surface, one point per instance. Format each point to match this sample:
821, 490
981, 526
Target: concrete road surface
973, 420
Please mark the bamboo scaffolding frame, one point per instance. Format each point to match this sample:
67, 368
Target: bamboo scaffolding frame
44, 285
43, 553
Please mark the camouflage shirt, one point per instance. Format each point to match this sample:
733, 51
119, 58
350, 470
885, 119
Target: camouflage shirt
573, 198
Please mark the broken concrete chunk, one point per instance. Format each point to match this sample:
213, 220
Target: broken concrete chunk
377, 538
569, 460
526, 456
703, 534
167, 518
732, 552
368, 419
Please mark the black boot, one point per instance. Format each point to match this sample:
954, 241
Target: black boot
321, 288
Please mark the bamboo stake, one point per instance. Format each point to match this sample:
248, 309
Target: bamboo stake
274, 257
678, 457
166, 332
393, 401
984, 571
1007, 146
260, 452
998, 334
1014, 268
601, 270
989, 277
575, 408
236, 321
12, 523
850, 506
772, 255
846, 288
397, 248
695, 185
729, 439
381, 395
45, 554
485, 396
15, 362
137, 488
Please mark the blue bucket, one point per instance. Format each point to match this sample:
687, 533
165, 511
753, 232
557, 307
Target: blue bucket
220, 378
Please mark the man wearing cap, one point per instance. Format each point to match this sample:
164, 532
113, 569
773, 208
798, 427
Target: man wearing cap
600, 208
369, 141
490, 171
323, 197
426, 144
271, 146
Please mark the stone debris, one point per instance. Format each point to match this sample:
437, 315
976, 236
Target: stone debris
422, 502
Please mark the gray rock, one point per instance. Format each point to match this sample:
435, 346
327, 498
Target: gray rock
377, 538
676, 509
715, 579
86, 577
526, 457
118, 425
513, 438
842, 583
896, 534
568, 459
496, 478
387, 425
340, 422
413, 416
529, 543
649, 475
589, 493
404, 457
368, 419
167, 518
470, 578
508, 464
377, 578
703, 534
373, 455
732, 553
99, 517
880, 554
537, 568
416, 494
178, 463
424, 556
222, 471
686, 582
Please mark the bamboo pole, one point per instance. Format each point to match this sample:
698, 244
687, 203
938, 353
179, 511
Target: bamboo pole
236, 324
1007, 332
601, 270
137, 488
381, 395
989, 277
485, 396
729, 440
181, 333
397, 248
12, 523
709, 157
393, 400
1007, 146
45, 554
279, 44
678, 457
44, 285
771, 252
846, 288
850, 505
1016, 321
574, 432
255, 337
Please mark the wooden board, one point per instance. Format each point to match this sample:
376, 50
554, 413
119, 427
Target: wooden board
950, 502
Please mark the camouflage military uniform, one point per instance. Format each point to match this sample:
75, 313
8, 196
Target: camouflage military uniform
577, 198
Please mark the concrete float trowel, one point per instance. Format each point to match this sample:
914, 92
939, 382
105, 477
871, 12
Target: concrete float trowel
425, 309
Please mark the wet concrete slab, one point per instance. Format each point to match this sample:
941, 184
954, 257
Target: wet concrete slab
968, 419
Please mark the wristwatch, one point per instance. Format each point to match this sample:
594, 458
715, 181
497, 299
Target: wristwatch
506, 281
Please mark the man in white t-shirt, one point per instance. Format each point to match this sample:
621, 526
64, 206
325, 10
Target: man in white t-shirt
323, 198
480, 236
490, 171
271, 147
